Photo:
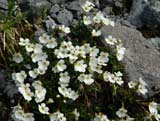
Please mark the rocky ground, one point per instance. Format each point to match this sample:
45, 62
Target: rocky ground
137, 24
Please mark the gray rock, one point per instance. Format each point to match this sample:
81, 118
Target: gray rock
141, 58
40, 3
54, 10
7, 86
39, 32
11, 90
145, 13
74, 6
2, 79
137, 10
65, 17
49, 23
34, 8
35, 3
107, 10
57, 1
4, 4
155, 42
118, 4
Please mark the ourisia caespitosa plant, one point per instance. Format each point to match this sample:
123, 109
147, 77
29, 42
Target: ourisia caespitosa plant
54, 71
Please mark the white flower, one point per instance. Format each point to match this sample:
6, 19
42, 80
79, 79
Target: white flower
17, 57
64, 78
100, 117
37, 85
131, 84
81, 51
110, 40
96, 68
111, 23
118, 74
44, 38
29, 47
33, 73
37, 48
71, 94
98, 18
41, 71
119, 80
73, 56
51, 43
41, 93
19, 114
94, 51
120, 52
109, 77
128, 118
38, 57
142, 86
96, 33
61, 52
25, 91
61, 65
80, 66
157, 117
43, 108
43, 64
103, 58
63, 91
105, 21
93, 61
64, 29
121, 113
153, 108
76, 113
88, 6
50, 100
21, 76
28, 117
142, 89
67, 92
39, 100
86, 48
87, 20
23, 42
88, 79
57, 116
81, 77
24, 88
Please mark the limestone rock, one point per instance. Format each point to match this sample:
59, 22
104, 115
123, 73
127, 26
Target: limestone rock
65, 17
141, 58
156, 42
3, 4
145, 13
57, 1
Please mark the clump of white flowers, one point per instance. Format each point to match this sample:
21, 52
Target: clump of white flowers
60, 68
18, 114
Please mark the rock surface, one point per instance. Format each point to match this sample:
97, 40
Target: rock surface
145, 13
156, 42
4, 4
141, 58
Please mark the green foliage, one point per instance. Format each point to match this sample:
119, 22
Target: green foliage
12, 24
